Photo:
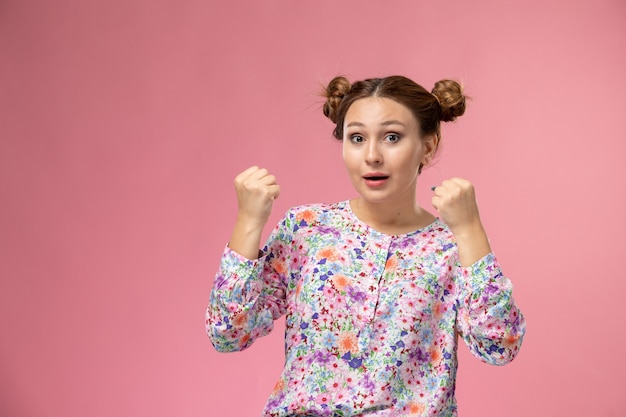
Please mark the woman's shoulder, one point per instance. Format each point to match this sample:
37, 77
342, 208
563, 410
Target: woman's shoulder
318, 214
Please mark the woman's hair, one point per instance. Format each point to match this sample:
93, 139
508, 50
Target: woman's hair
444, 104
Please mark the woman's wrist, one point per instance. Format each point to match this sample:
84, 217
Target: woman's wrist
246, 238
472, 242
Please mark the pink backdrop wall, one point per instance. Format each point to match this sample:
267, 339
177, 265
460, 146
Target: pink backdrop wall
123, 123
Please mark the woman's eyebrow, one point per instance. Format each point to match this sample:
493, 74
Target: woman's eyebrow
392, 122
355, 124
385, 123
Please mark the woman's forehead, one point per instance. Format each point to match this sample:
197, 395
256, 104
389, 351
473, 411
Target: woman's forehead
378, 110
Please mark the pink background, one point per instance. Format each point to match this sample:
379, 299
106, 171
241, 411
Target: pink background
123, 123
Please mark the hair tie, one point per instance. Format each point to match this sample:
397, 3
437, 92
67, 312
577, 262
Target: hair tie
436, 98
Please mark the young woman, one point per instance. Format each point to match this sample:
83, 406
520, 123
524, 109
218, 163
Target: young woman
375, 290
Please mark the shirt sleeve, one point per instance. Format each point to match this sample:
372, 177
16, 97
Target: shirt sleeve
248, 295
488, 319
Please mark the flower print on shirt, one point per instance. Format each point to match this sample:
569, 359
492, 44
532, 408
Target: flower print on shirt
371, 320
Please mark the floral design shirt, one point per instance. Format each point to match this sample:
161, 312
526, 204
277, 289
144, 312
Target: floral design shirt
371, 319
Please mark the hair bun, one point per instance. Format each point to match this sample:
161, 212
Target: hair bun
337, 88
451, 98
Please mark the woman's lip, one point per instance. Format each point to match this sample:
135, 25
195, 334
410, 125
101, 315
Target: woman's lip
375, 181
375, 174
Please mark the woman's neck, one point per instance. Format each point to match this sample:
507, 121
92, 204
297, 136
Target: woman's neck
392, 217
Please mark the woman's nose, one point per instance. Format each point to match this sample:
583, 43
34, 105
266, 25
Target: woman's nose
373, 156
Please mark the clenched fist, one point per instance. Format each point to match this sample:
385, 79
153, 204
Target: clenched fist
455, 201
256, 191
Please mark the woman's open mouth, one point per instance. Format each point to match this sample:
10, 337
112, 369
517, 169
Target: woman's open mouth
375, 180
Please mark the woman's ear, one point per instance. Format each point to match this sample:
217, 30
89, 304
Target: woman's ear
430, 146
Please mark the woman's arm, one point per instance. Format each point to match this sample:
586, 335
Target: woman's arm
248, 294
488, 319
243, 303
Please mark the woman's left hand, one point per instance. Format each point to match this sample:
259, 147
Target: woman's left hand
455, 201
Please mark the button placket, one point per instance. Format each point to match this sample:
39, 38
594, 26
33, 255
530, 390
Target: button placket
382, 254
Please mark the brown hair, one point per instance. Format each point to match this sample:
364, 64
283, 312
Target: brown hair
444, 104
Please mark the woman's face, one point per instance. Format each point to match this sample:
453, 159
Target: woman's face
382, 149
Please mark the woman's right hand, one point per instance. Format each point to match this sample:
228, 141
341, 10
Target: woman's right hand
256, 191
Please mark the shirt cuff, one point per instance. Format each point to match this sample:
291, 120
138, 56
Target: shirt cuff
234, 266
481, 273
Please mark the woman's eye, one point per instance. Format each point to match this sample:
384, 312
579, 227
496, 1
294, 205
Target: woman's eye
357, 138
392, 137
